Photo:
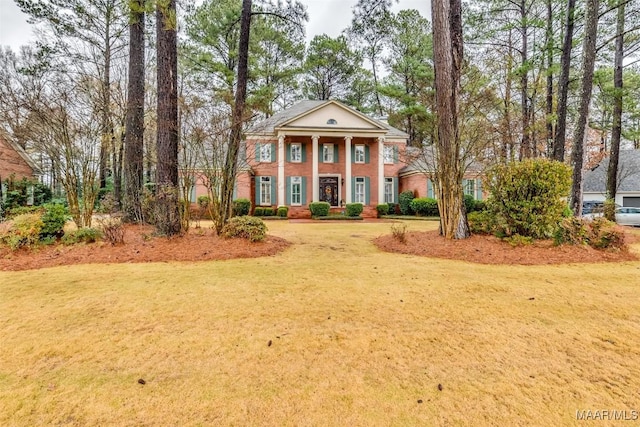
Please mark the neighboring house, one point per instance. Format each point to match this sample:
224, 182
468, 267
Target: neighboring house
628, 192
322, 151
15, 161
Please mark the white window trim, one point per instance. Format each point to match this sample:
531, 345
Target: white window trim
388, 149
265, 180
388, 182
265, 149
358, 184
299, 183
299, 145
328, 148
355, 154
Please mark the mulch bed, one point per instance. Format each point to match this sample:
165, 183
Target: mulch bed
142, 246
491, 250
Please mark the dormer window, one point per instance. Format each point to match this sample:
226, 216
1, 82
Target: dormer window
332, 122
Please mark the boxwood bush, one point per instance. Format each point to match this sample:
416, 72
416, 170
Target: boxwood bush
241, 207
353, 209
382, 209
424, 206
54, 218
283, 211
319, 208
404, 200
245, 227
258, 211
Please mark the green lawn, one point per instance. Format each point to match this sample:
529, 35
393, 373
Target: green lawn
357, 337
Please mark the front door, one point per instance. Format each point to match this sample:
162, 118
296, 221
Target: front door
329, 190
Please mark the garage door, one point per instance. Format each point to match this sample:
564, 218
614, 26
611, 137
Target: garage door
632, 202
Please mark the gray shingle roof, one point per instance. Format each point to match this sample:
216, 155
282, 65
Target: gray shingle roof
268, 126
595, 180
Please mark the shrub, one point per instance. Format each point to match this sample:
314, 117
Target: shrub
404, 200
399, 232
479, 206
393, 208
113, 230
609, 208
22, 210
241, 207
268, 211
424, 206
353, 209
283, 211
518, 240
469, 203
245, 227
527, 198
319, 208
54, 218
598, 233
382, 209
258, 211
571, 230
23, 231
480, 222
82, 235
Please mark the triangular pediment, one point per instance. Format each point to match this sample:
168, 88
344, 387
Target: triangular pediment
333, 115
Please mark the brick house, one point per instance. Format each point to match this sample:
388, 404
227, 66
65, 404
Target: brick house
15, 161
322, 151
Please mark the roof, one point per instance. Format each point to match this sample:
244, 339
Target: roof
302, 108
424, 163
595, 180
18, 149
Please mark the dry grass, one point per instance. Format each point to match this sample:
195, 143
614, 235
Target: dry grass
357, 337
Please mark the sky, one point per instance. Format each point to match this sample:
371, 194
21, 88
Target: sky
325, 17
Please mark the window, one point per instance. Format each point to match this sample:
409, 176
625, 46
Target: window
296, 190
327, 153
296, 153
388, 190
359, 154
332, 122
265, 190
359, 191
469, 187
388, 154
265, 152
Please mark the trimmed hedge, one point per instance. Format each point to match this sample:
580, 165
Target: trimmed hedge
353, 209
319, 208
241, 207
283, 211
382, 209
258, 211
404, 200
425, 206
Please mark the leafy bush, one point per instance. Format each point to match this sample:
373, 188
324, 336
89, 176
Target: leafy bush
23, 231
82, 235
283, 211
54, 218
518, 240
203, 201
319, 208
404, 200
481, 222
399, 232
469, 203
18, 192
112, 230
353, 209
598, 233
479, 206
382, 209
527, 198
268, 211
22, 210
393, 208
245, 227
241, 207
424, 206
258, 211
609, 208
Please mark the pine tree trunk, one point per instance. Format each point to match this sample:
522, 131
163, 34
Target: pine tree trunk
589, 57
167, 209
448, 51
612, 172
563, 84
549, 94
231, 161
134, 125
525, 143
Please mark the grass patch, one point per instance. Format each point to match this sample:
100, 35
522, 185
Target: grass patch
357, 337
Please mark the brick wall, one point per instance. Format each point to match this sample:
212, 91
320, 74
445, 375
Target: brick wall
12, 163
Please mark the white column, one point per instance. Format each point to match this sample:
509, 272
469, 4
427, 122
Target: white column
281, 180
314, 174
347, 169
380, 170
